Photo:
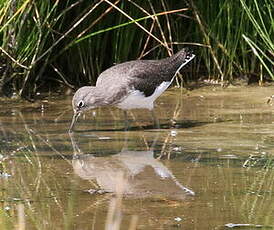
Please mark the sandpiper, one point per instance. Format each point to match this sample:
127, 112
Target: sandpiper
130, 85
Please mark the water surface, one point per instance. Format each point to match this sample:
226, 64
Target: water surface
209, 166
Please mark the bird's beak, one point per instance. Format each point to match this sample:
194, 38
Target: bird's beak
74, 119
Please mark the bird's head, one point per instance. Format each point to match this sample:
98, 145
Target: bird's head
84, 99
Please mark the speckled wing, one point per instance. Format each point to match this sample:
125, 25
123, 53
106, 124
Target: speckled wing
142, 75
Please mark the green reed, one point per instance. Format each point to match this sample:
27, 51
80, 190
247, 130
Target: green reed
224, 27
70, 42
262, 46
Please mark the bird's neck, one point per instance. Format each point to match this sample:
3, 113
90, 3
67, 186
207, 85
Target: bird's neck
104, 96
99, 96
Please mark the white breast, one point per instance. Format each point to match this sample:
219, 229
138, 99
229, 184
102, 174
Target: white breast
137, 100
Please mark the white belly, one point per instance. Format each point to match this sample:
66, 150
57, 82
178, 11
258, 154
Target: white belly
137, 100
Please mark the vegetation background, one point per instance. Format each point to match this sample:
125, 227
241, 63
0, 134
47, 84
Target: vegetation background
55, 43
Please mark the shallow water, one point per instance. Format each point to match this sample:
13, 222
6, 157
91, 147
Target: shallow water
211, 169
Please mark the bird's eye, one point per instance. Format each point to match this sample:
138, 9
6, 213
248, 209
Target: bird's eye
81, 104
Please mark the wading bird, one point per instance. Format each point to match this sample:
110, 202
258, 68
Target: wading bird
130, 85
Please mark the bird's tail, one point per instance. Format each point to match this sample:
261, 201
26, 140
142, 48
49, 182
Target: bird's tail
177, 61
185, 56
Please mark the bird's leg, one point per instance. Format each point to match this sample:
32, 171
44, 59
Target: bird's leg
173, 122
127, 123
125, 145
155, 120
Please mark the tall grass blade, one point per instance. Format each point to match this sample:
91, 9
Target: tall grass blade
259, 53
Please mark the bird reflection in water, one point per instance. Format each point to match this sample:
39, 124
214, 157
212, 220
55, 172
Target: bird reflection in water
144, 176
